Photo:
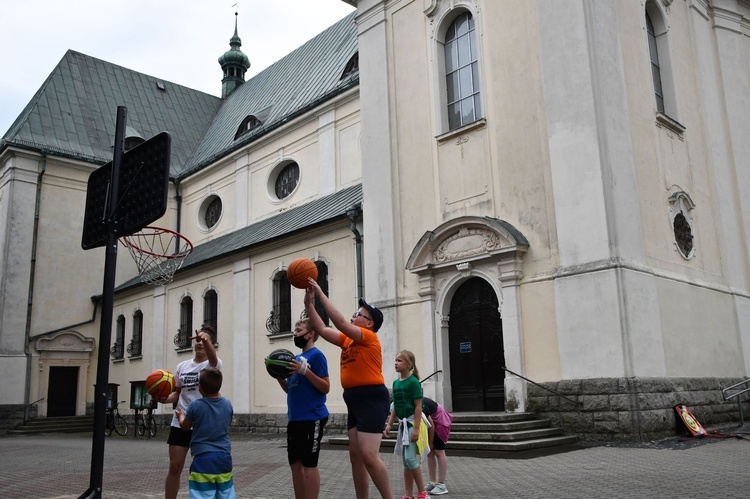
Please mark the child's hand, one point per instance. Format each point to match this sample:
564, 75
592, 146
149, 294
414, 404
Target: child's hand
200, 337
314, 285
387, 431
414, 434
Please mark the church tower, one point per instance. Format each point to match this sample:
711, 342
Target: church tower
234, 63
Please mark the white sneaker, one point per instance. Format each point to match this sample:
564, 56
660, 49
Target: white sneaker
438, 490
430, 486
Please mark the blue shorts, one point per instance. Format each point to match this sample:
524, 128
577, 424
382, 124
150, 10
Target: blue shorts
368, 408
211, 476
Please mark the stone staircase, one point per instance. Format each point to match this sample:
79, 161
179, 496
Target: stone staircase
493, 431
72, 424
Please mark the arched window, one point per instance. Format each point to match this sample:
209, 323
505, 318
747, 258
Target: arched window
211, 311
280, 320
322, 281
182, 338
351, 68
662, 75
135, 348
463, 96
118, 349
655, 69
247, 124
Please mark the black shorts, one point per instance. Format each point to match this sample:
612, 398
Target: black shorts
368, 408
437, 443
303, 441
179, 437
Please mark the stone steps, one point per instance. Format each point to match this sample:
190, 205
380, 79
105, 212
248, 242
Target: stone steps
71, 424
494, 431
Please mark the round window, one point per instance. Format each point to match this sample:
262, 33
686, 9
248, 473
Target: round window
210, 212
286, 181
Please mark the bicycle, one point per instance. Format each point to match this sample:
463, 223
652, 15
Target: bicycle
116, 422
145, 423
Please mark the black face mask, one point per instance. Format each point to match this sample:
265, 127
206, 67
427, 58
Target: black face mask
300, 341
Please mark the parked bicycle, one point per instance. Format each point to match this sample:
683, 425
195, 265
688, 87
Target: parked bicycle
145, 423
116, 422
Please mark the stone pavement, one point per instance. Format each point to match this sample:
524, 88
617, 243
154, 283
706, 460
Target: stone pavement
57, 466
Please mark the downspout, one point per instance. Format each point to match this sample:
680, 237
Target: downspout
30, 299
178, 198
353, 214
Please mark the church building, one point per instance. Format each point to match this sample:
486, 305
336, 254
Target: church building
543, 198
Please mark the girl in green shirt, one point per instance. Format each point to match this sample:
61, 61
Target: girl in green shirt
407, 407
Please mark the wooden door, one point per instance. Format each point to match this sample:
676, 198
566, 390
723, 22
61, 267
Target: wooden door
62, 391
475, 339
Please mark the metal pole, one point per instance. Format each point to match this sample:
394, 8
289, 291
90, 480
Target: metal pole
105, 331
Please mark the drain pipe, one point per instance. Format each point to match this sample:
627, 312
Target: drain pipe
30, 299
178, 198
353, 214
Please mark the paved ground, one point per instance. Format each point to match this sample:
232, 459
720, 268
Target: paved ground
57, 466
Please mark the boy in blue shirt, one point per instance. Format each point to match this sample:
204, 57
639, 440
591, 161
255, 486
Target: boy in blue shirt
210, 417
307, 413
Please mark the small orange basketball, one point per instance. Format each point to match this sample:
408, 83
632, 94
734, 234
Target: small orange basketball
160, 383
299, 270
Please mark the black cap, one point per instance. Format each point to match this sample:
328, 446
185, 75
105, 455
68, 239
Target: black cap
375, 313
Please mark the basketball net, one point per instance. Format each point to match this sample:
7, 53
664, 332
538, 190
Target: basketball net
158, 253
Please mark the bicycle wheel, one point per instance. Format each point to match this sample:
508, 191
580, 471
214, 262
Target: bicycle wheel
108, 426
121, 426
140, 424
151, 427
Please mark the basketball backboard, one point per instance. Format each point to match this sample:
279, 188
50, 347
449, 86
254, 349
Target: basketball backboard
143, 186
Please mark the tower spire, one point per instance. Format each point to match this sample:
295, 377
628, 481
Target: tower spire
234, 63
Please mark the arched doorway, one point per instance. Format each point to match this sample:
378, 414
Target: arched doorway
475, 343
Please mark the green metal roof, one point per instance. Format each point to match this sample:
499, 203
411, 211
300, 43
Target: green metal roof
307, 76
303, 217
73, 113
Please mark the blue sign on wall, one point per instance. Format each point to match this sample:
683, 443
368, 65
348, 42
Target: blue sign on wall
464, 347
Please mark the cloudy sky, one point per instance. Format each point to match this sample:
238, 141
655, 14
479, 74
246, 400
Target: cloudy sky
176, 40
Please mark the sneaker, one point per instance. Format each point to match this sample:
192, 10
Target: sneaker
423, 495
439, 489
430, 486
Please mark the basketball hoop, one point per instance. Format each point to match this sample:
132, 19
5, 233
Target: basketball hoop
158, 253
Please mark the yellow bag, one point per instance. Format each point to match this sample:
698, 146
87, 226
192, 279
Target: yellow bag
423, 442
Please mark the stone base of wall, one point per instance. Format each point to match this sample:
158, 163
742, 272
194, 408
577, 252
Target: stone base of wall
11, 415
272, 424
635, 409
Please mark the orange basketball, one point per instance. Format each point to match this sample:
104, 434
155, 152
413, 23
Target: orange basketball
299, 270
160, 383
